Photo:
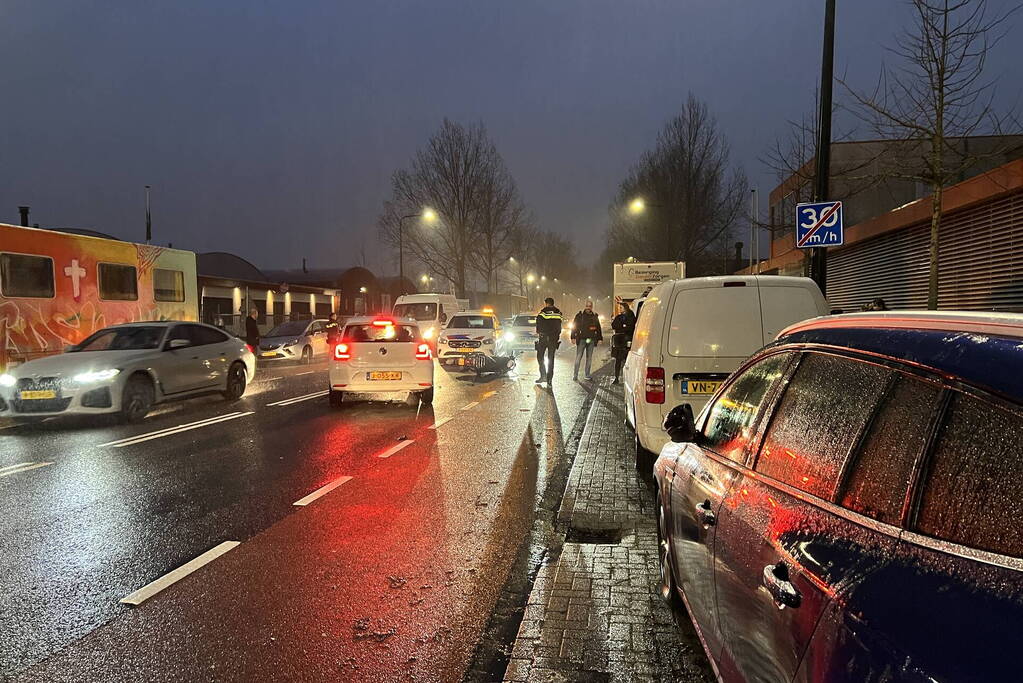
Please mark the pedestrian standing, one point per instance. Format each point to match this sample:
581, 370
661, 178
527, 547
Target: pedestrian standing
624, 324
252, 328
333, 329
548, 331
586, 334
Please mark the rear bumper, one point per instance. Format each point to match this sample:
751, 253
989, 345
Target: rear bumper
355, 381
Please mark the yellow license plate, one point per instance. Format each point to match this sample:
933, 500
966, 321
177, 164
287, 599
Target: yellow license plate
383, 375
38, 395
700, 387
268, 353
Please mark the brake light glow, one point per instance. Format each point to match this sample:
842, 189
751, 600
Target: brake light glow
342, 352
423, 352
383, 323
655, 385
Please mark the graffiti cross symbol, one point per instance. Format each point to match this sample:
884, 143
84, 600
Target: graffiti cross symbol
76, 273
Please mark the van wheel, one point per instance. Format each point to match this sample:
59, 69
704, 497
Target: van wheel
337, 399
137, 398
426, 397
235, 382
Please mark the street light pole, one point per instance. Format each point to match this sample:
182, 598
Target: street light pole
822, 170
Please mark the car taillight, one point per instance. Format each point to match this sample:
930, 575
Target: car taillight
249, 347
342, 352
423, 352
655, 385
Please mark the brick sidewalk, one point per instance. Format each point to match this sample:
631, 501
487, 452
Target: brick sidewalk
594, 613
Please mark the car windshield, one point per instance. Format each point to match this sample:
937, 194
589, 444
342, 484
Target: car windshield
380, 333
525, 321
123, 339
471, 322
289, 329
425, 311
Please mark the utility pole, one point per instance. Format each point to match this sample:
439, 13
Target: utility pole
149, 219
822, 170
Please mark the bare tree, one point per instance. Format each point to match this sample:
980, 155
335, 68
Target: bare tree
460, 176
502, 218
691, 197
934, 99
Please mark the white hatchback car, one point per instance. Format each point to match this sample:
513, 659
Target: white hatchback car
381, 356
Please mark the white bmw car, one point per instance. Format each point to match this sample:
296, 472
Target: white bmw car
381, 356
126, 369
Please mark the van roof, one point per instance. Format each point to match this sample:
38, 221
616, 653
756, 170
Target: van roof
745, 280
422, 296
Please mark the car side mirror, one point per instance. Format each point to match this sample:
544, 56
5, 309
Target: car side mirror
680, 424
177, 344
443, 317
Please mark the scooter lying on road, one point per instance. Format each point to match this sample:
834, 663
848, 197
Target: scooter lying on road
480, 364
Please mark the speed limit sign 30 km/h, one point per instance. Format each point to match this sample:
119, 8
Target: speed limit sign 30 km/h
819, 225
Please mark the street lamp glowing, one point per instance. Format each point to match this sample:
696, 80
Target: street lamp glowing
543, 278
637, 206
425, 279
530, 278
429, 215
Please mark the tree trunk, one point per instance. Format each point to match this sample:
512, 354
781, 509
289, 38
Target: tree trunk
932, 276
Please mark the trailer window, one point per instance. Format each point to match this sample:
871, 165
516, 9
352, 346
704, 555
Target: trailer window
168, 285
25, 276
118, 282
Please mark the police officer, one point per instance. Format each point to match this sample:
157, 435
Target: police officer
333, 329
548, 329
624, 324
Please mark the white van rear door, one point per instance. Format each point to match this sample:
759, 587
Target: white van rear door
783, 306
715, 322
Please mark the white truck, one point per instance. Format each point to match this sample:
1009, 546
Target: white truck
633, 278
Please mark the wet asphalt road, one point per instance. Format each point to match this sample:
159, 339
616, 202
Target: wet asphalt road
390, 576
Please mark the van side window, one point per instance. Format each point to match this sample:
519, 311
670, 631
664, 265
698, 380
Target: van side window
26, 276
730, 423
168, 285
971, 494
824, 408
117, 282
877, 484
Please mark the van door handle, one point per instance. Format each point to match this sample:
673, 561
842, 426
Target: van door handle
705, 515
778, 585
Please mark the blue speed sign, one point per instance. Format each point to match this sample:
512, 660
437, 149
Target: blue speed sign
819, 224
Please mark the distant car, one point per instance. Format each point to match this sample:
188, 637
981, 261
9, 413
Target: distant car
471, 338
846, 507
381, 356
302, 340
691, 334
520, 334
126, 369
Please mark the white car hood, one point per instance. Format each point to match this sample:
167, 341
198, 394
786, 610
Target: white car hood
78, 361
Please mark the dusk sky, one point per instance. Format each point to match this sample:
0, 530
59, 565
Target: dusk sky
271, 129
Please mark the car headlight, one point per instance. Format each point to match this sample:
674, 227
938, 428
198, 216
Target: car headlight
97, 376
7, 380
488, 341
428, 333
509, 336
291, 342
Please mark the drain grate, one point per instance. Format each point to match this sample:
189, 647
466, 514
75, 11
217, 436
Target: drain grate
594, 536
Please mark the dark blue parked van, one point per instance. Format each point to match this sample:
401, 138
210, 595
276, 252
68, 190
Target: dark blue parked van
849, 505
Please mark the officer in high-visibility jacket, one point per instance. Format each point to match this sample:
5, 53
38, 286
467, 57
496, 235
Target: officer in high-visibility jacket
548, 329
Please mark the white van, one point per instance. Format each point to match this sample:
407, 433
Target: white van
691, 334
431, 311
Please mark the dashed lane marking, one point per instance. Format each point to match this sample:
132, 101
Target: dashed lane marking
471, 405
394, 449
299, 399
299, 374
132, 440
22, 467
151, 589
440, 423
322, 491
488, 394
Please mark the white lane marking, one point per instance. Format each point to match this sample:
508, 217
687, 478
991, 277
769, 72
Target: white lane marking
131, 441
15, 466
394, 449
23, 467
151, 589
488, 394
296, 399
439, 423
270, 379
168, 429
471, 405
322, 491
299, 374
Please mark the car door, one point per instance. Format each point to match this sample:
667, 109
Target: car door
780, 554
212, 353
317, 338
179, 369
704, 474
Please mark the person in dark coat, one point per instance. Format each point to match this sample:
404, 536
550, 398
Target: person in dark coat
586, 334
333, 329
252, 329
548, 329
624, 324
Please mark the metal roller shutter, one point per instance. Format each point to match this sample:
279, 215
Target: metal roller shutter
980, 263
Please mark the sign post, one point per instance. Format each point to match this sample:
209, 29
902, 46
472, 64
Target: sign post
819, 224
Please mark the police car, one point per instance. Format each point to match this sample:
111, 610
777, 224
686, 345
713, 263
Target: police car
471, 341
380, 356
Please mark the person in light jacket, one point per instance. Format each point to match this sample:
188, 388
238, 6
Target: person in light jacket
586, 334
